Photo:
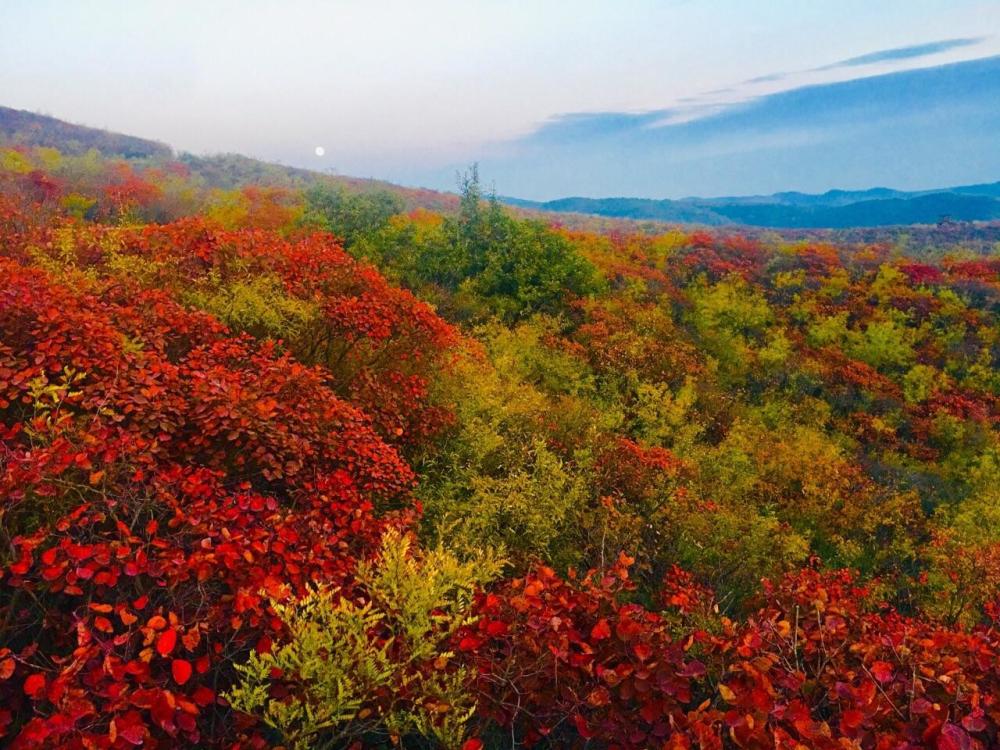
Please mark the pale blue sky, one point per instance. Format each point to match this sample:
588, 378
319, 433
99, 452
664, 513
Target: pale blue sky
407, 90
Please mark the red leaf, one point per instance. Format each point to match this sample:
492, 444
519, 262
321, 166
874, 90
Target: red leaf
599, 696
600, 631
496, 628
649, 711
952, 737
156, 622
974, 722
643, 651
34, 686
203, 696
103, 624
882, 671
851, 719
166, 642
181, 669
582, 727
134, 735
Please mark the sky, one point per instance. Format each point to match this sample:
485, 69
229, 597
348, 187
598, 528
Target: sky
648, 98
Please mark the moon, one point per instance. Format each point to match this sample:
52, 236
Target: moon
320, 150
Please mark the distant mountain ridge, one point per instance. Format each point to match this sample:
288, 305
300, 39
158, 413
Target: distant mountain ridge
834, 209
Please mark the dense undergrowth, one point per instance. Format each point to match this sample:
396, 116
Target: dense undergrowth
285, 467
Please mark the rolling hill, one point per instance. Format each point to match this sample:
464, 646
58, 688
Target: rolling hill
224, 170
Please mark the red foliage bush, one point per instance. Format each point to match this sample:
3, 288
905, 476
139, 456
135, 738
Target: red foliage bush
127, 191
571, 661
378, 343
818, 666
158, 474
922, 273
721, 256
635, 472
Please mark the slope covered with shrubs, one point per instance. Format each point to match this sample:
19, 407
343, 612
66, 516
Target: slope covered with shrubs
284, 468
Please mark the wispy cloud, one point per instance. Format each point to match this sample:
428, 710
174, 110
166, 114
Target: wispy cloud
581, 125
910, 52
767, 78
707, 103
681, 119
903, 53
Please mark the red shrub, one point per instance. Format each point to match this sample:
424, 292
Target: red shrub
157, 476
819, 666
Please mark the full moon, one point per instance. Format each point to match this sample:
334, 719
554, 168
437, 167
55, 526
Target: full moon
320, 151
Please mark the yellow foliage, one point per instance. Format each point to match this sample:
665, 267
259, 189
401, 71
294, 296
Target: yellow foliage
378, 664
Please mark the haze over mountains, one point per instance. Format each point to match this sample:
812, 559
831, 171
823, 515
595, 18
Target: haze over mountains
834, 209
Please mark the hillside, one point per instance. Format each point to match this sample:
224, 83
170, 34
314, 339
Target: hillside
286, 465
225, 171
30, 129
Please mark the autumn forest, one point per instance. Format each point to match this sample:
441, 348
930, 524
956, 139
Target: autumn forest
292, 462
